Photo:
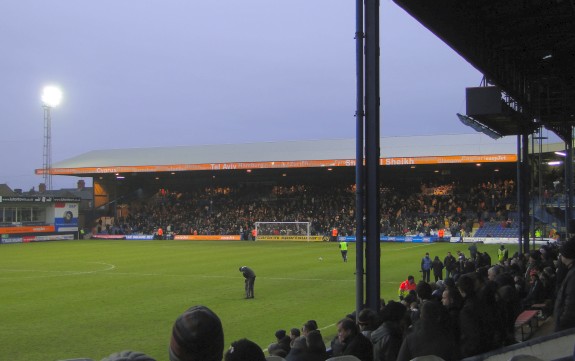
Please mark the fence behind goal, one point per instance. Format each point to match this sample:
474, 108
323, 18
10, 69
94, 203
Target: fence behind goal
285, 231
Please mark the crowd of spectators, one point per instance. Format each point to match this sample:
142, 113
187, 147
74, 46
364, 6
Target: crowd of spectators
407, 210
470, 312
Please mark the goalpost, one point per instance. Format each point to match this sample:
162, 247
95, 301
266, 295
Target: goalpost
283, 231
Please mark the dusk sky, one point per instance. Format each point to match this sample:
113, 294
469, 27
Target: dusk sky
143, 73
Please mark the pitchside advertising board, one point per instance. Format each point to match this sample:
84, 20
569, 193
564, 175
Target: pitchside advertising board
66, 217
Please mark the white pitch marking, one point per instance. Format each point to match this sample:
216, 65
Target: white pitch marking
58, 273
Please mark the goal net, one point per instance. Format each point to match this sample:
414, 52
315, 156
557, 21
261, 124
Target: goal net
283, 231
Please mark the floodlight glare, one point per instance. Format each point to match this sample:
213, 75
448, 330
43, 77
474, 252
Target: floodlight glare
51, 96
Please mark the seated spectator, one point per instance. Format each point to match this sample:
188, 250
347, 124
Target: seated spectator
128, 356
352, 341
282, 345
243, 350
307, 327
293, 335
315, 347
298, 351
197, 334
367, 321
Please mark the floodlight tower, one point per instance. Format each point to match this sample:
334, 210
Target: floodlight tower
51, 97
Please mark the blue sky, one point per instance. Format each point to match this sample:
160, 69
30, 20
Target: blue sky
143, 73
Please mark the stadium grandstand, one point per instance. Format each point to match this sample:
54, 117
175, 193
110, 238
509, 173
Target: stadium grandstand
459, 183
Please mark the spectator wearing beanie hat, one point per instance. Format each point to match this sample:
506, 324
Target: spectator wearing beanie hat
244, 350
564, 311
197, 335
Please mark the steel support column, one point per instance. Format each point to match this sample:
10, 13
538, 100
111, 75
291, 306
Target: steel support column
359, 169
372, 153
568, 184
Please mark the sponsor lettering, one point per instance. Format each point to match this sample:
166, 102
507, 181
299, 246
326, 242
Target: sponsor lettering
39, 199
11, 240
290, 238
399, 161
182, 237
106, 170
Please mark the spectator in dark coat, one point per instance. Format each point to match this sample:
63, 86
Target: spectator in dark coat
472, 251
428, 337
564, 312
315, 347
509, 305
310, 348
282, 345
437, 267
367, 321
388, 336
353, 342
294, 333
474, 335
452, 301
450, 264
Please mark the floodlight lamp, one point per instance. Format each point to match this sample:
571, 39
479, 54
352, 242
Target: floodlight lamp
478, 126
51, 96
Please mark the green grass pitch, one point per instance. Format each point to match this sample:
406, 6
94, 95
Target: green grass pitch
72, 299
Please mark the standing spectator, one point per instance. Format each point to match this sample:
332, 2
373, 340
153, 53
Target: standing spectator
564, 312
343, 249
250, 277
428, 337
473, 337
426, 267
450, 264
472, 251
197, 334
460, 263
437, 266
388, 336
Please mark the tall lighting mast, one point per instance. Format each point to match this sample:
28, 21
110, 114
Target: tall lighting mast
51, 97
